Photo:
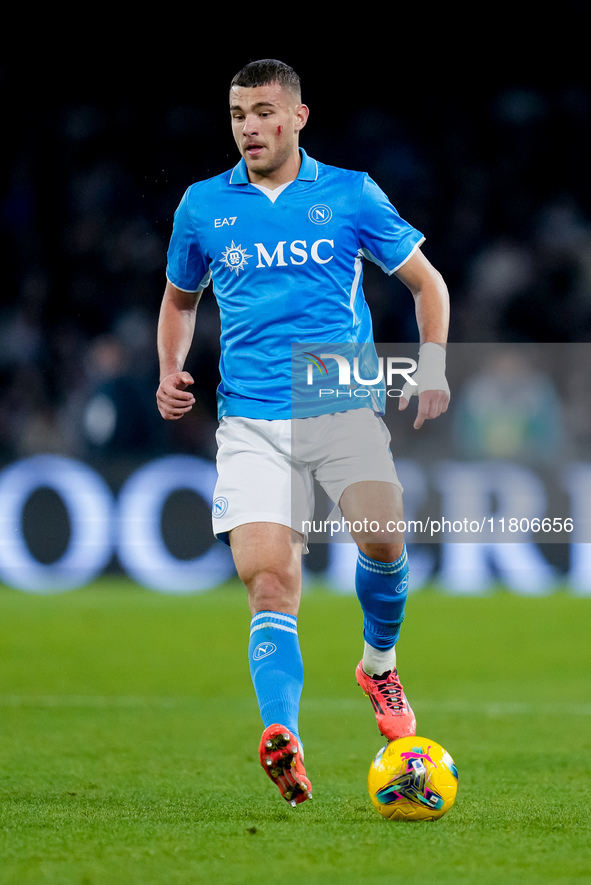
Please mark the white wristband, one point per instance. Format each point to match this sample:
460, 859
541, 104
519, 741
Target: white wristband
430, 373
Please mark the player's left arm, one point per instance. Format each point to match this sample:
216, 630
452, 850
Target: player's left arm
431, 299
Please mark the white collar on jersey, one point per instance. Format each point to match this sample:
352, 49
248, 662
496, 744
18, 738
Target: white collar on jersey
272, 194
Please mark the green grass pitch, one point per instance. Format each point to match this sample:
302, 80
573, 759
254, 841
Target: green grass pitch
129, 733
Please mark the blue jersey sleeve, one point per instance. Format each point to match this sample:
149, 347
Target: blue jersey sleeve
386, 238
187, 266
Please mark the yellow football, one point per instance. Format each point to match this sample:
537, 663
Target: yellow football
413, 778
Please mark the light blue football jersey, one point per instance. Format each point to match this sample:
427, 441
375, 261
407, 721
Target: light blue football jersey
285, 271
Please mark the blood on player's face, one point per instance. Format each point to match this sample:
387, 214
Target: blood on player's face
266, 121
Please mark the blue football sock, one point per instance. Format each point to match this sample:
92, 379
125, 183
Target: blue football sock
382, 589
276, 668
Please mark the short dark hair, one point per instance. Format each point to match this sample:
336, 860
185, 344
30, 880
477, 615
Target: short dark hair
266, 71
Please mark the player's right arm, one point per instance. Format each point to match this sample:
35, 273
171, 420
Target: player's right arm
176, 325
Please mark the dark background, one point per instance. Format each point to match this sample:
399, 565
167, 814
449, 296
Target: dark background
477, 123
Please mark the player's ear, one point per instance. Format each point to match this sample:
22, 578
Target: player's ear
302, 113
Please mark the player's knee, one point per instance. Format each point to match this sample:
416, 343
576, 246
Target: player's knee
273, 589
382, 552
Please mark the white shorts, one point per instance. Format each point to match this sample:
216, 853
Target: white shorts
266, 468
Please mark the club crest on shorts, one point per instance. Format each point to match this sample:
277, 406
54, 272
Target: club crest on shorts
220, 505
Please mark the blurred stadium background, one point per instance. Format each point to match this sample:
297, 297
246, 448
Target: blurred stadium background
491, 163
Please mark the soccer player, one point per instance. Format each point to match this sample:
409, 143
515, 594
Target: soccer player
283, 238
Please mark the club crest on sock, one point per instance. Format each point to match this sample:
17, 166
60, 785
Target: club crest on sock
263, 650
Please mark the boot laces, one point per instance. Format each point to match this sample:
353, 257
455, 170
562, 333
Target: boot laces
392, 692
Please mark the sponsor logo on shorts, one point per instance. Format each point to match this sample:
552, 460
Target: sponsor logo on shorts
220, 505
263, 650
